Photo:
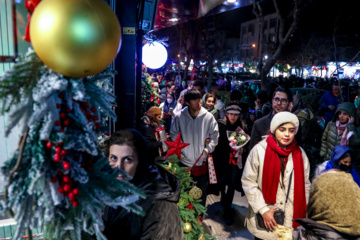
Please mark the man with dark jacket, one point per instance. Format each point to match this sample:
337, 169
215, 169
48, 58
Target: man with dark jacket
329, 101
282, 101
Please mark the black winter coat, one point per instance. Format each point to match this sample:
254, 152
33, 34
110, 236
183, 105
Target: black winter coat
221, 156
162, 220
148, 131
318, 231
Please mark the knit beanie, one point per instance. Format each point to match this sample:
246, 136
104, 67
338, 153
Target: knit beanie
284, 117
334, 201
233, 108
153, 111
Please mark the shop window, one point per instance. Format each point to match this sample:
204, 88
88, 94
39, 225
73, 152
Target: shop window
243, 30
251, 29
265, 24
273, 23
272, 37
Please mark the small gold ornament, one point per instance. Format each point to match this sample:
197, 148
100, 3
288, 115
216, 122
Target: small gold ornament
195, 192
187, 227
75, 38
189, 173
202, 237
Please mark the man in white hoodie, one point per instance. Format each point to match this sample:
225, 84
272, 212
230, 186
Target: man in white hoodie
196, 125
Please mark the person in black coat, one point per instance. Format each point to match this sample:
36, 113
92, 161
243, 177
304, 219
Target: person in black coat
282, 101
226, 167
162, 220
148, 124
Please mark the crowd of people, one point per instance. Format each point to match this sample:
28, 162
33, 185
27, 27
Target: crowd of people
272, 169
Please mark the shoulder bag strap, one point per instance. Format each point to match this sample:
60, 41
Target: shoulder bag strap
198, 159
287, 195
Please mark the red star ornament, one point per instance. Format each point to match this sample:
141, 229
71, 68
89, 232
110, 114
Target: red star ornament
176, 146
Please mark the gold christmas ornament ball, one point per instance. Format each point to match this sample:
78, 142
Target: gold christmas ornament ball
75, 38
195, 192
187, 227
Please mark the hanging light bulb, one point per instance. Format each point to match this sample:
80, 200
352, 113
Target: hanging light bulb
231, 1
154, 55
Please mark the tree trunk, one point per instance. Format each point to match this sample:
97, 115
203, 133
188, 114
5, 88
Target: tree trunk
283, 38
257, 11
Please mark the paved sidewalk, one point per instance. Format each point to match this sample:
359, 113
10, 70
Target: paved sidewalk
214, 223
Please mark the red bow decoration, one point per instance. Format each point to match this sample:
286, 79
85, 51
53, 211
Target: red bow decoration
175, 146
30, 5
190, 206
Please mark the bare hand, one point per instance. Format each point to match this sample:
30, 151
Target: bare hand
257, 103
269, 220
167, 136
351, 119
331, 107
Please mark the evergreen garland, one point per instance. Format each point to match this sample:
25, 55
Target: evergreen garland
190, 209
59, 180
149, 97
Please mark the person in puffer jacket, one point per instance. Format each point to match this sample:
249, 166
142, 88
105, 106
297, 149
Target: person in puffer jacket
340, 131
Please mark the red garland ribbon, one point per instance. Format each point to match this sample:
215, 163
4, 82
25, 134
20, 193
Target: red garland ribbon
233, 160
30, 5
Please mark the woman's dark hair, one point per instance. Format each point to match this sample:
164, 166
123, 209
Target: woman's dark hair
171, 94
347, 154
235, 95
199, 84
193, 94
209, 95
298, 104
286, 91
135, 140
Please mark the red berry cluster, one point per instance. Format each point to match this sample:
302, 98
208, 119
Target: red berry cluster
89, 113
66, 187
64, 110
66, 183
200, 219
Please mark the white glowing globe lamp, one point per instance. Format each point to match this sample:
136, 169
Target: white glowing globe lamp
154, 55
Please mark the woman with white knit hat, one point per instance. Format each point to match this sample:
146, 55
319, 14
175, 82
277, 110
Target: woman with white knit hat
276, 179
